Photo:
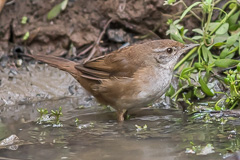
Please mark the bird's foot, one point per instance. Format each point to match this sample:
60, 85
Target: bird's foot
120, 115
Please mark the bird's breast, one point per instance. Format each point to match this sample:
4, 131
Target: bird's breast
154, 83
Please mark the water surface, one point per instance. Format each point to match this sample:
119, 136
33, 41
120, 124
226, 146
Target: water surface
98, 135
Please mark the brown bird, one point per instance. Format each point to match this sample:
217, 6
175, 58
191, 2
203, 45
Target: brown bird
130, 77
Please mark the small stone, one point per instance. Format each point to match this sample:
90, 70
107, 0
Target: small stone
19, 62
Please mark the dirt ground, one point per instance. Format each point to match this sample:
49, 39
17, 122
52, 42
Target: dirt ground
81, 22
76, 28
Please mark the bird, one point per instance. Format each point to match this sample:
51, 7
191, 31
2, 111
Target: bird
130, 77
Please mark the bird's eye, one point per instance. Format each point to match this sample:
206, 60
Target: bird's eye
169, 50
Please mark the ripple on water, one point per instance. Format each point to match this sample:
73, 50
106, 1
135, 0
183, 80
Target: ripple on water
97, 135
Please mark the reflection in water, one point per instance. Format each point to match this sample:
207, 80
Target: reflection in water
97, 135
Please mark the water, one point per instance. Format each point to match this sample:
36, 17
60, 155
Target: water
99, 136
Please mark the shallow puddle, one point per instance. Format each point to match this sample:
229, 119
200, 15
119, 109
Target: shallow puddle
98, 136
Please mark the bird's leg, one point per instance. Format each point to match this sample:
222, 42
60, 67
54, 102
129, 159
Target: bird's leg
120, 115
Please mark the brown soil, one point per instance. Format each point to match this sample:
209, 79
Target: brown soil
81, 22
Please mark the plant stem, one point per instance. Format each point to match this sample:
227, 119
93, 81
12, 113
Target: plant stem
207, 24
235, 103
224, 20
190, 39
178, 91
185, 58
217, 2
225, 5
232, 51
218, 102
194, 14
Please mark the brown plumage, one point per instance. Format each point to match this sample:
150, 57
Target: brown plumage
130, 77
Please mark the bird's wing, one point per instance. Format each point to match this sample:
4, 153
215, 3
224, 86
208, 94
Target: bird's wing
120, 63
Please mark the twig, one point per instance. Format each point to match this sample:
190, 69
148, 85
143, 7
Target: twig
194, 14
98, 41
85, 50
150, 33
10, 2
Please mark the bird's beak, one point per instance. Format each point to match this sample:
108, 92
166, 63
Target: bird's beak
188, 46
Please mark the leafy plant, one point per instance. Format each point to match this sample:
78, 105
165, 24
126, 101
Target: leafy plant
200, 150
57, 114
219, 42
232, 99
140, 128
52, 118
42, 112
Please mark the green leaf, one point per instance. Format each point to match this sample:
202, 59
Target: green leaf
232, 39
219, 44
189, 95
206, 6
238, 67
226, 81
186, 72
169, 2
232, 5
54, 12
233, 19
232, 90
198, 30
223, 29
205, 88
210, 57
217, 108
205, 53
239, 45
180, 85
184, 32
170, 91
197, 37
213, 25
26, 36
169, 21
174, 33
198, 93
64, 4
176, 21
206, 76
234, 27
57, 9
220, 38
188, 9
224, 53
224, 63
198, 65
24, 20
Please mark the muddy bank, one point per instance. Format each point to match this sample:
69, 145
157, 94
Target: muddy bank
37, 82
81, 23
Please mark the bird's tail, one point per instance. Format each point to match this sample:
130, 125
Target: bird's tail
57, 62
